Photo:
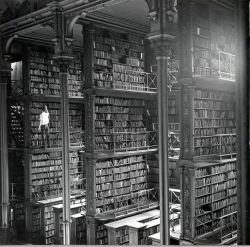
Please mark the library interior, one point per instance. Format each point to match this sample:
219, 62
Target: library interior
124, 122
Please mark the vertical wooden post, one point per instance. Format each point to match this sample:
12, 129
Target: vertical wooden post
5, 77
91, 201
242, 103
163, 146
161, 36
65, 149
63, 57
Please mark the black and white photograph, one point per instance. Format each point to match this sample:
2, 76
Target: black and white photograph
124, 122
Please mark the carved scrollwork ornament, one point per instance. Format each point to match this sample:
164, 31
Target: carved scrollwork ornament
153, 16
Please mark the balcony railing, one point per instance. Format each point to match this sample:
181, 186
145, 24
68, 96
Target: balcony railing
221, 66
226, 66
174, 207
137, 81
227, 143
173, 71
77, 138
128, 141
228, 228
130, 203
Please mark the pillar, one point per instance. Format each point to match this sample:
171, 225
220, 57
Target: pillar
162, 15
242, 106
64, 65
5, 74
63, 57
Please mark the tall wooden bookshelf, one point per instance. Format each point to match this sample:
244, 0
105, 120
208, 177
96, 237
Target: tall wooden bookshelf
40, 169
208, 122
119, 136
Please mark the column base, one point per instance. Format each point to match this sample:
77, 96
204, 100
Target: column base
5, 235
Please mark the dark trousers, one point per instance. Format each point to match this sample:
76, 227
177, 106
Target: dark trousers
45, 135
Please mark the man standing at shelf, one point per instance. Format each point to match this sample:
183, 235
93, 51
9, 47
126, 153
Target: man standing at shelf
44, 126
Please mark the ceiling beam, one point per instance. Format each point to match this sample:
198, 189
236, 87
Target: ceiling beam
105, 20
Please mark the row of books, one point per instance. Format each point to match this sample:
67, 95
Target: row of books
118, 162
115, 40
223, 168
224, 123
214, 95
16, 126
214, 104
208, 113
119, 101
118, 173
220, 150
213, 130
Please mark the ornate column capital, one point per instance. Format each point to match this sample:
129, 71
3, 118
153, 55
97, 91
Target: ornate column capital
162, 47
63, 62
158, 8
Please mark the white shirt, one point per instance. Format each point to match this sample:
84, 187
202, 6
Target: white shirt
44, 118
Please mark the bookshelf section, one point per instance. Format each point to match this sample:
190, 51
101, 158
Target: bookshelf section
118, 132
118, 62
118, 180
211, 37
211, 116
119, 125
78, 229
76, 124
214, 122
101, 233
46, 174
212, 187
76, 78
16, 124
44, 75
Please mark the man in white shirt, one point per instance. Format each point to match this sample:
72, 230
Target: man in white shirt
44, 126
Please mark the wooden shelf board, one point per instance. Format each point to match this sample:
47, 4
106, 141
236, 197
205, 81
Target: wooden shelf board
109, 92
103, 155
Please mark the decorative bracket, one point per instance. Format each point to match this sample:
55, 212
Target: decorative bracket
9, 42
73, 21
156, 9
153, 16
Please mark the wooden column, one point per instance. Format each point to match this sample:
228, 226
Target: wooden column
91, 200
163, 142
88, 45
242, 79
5, 76
161, 35
63, 57
64, 64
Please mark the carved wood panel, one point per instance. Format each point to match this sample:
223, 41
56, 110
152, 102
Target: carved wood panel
187, 123
89, 123
91, 187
